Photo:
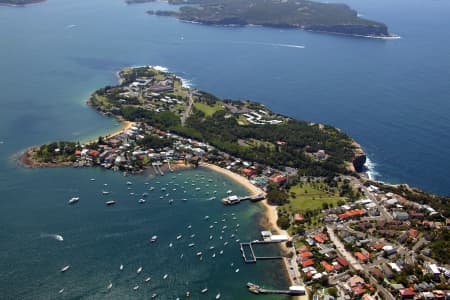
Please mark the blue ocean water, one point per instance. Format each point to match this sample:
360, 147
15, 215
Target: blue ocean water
391, 96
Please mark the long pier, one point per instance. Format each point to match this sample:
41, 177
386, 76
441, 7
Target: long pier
294, 290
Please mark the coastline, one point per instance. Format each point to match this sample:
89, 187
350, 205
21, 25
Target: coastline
270, 211
390, 36
25, 158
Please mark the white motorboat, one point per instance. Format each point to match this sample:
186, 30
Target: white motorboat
65, 268
74, 200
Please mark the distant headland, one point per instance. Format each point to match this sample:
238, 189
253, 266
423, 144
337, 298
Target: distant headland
19, 2
305, 15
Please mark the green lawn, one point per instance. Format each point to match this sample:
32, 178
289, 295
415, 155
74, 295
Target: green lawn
253, 143
309, 197
178, 89
208, 110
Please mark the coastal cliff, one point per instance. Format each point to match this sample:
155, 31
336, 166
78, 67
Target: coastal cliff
359, 158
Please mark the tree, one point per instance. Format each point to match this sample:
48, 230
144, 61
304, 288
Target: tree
283, 222
332, 291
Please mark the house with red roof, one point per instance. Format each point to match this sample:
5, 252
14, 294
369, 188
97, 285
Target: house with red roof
278, 179
93, 153
361, 256
342, 261
321, 237
378, 246
352, 213
327, 266
407, 293
307, 263
413, 233
306, 255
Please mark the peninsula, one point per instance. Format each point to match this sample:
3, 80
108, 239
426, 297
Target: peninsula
341, 233
245, 129
303, 14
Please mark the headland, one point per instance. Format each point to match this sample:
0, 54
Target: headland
305, 15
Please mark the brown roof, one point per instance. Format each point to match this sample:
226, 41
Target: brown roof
407, 292
377, 273
342, 261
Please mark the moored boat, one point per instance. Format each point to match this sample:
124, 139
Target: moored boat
74, 200
65, 268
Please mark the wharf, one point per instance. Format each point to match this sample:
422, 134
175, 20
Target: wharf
293, 290
230, 200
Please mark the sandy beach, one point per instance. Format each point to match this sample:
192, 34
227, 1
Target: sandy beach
126, 126
270, 211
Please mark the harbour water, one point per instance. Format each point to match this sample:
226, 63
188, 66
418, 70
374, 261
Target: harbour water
391, 96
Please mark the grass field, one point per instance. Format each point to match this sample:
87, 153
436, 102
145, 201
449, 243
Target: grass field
208, 110
253, 143
309, 197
